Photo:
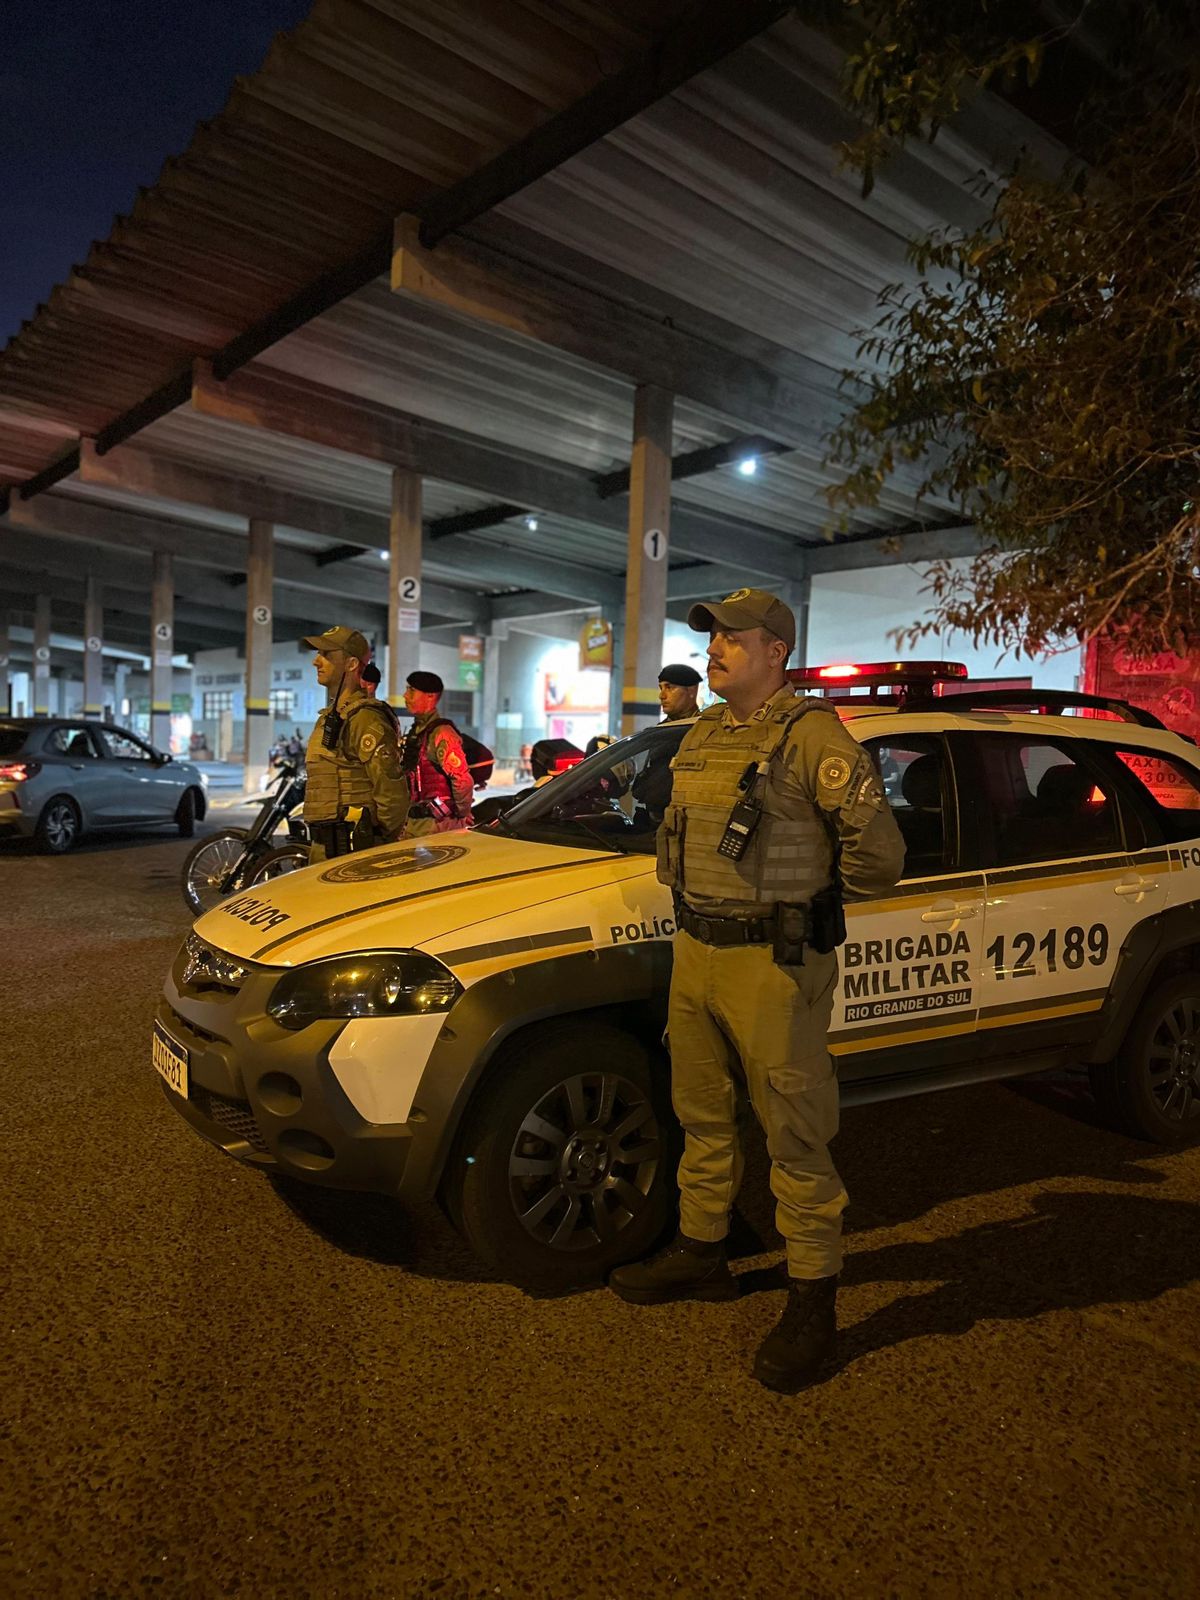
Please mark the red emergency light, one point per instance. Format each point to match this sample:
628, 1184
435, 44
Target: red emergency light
877, 675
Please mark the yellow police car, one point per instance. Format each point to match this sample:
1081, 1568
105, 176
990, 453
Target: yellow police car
480, 1016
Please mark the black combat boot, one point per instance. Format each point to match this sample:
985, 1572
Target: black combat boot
802, 1346
687, 1269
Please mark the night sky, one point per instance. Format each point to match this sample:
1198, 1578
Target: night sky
94, 96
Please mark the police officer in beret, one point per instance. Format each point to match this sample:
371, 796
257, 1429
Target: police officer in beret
441, 787
678, 686
356, 795
775, 813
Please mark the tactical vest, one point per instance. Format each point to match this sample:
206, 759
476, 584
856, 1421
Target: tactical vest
426, 781
790, 854
337, 780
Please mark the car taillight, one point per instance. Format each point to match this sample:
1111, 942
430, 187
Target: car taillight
18, 771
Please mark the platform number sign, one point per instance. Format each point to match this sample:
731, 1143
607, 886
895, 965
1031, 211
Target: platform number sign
262, 614
655, 544
409, 591
163, 631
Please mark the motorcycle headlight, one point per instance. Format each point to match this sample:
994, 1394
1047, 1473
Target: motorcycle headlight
388, 983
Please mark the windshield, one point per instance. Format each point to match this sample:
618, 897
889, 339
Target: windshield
12, 740
614, 799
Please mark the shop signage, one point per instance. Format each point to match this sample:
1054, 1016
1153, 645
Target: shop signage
596, 644
470, 647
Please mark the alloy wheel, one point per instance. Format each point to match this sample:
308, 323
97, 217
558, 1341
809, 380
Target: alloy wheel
59, 825
584, 1160
1174, 1061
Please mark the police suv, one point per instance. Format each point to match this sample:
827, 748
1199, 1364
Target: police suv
480, 1016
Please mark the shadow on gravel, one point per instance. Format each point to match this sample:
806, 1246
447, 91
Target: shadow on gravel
1070, 1252
900, 1161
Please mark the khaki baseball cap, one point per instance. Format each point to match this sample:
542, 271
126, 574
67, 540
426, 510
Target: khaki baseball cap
746, 608
347, 639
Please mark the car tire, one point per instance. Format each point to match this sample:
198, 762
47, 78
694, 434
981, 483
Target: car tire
1151, 1089
59, 826
564, 1167
200, 886
185, 814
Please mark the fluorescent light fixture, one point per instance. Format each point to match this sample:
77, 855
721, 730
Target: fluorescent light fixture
748, 466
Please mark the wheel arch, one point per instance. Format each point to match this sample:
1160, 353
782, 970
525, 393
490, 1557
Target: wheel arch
625, 987
1158, 948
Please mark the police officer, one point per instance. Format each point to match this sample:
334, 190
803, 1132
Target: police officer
356, 794
441, 787
678, 687
774, 811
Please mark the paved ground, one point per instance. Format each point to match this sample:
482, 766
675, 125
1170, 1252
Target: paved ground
215, 1388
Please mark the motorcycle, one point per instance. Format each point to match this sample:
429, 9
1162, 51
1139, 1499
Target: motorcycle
241, 858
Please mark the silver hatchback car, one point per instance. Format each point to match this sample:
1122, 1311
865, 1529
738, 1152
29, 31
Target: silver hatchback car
60, 777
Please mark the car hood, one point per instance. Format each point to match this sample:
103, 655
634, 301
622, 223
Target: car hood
405, 896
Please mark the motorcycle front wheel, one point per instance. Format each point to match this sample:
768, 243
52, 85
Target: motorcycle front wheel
287, 858
214, 868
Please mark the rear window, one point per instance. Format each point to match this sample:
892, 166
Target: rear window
12, 741
1173, 787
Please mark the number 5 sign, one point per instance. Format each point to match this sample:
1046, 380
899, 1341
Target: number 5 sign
409, 590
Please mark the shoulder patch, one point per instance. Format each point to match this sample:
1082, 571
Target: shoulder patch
367, 743
834, 772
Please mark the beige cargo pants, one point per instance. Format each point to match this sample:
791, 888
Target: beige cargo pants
732, 1005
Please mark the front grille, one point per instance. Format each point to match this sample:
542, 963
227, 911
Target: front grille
185, 1025
233, 1115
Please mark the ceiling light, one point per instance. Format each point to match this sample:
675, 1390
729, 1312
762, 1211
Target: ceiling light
748, 466
531, 524
385, 555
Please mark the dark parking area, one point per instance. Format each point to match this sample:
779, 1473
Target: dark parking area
218, 1385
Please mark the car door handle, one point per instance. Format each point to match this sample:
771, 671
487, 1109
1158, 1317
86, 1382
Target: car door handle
77, 766
1142, 886
949, 913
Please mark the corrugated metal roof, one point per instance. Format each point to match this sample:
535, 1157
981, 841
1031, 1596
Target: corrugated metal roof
724, 198
363, 110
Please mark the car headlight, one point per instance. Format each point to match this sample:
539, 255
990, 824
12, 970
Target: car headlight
204, 780
389, 983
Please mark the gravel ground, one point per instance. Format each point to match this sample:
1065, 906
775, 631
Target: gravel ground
217, 1386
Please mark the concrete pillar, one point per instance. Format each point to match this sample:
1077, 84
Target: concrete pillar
260, 583
646, 570
797, 593
489, 700
162, 649
40, 677
93, 649
404, 582
120, 690
5, 668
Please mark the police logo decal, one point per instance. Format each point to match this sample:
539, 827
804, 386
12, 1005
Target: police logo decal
834, 772
395, 863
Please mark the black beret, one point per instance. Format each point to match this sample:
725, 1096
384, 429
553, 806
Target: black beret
426, 682
680, 676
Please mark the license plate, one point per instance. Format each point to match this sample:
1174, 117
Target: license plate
170, 1060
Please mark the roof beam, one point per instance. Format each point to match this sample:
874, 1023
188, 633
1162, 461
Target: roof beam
479, 284
706, 33
896, 549
327, 417
135, 470
66, 517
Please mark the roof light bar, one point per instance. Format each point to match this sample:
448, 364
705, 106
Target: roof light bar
880, 672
